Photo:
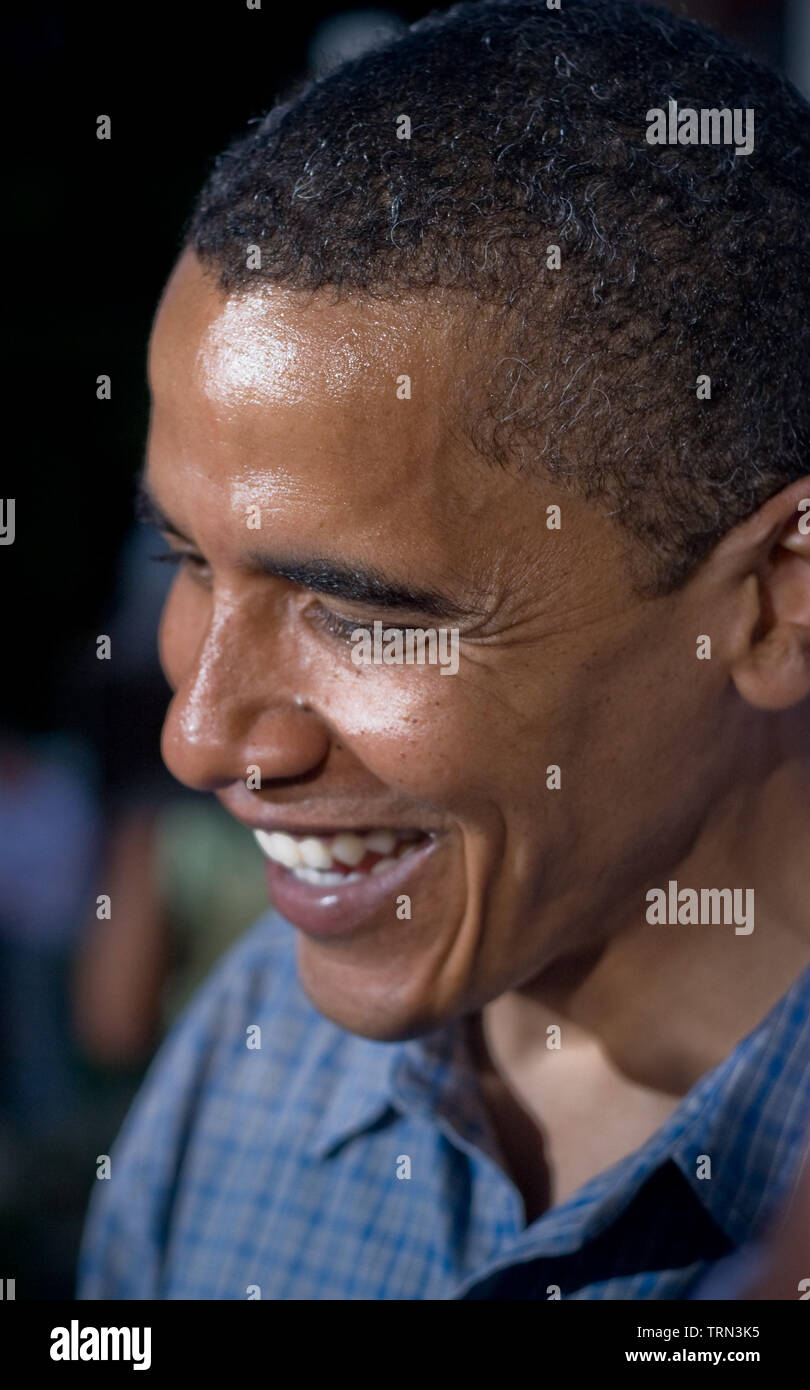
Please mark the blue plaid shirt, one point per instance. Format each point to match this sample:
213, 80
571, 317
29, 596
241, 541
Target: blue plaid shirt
322, 1165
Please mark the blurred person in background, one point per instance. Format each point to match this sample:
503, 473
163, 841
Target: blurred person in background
49, 849
182, 882
49, 832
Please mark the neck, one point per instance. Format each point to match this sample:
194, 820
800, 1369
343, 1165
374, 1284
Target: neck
666, 1003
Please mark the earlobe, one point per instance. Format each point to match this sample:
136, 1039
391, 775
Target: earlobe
774, 672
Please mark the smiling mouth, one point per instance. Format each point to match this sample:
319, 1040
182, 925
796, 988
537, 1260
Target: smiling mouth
347, 856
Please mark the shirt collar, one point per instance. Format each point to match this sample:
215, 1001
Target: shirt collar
360, 1096
432, 1076
738, 1114
750, 1116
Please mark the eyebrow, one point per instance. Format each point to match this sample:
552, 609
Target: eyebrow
352, 583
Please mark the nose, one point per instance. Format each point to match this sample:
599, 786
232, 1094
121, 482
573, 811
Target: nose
236, 708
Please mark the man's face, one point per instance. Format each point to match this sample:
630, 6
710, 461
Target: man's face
279, 442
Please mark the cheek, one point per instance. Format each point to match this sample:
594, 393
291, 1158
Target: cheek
414, 730
182, 627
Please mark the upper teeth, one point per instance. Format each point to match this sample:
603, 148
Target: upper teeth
322, 852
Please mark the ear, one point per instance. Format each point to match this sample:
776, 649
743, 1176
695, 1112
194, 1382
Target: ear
773, 672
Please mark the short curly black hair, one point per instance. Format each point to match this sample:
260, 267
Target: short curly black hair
528, 130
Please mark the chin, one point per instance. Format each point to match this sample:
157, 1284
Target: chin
380, 1009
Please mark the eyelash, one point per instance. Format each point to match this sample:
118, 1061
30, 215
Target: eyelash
343, 627
179, 557
332, 623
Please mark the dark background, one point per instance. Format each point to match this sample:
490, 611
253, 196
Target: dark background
97, 229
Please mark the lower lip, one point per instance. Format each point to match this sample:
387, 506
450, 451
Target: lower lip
338, 910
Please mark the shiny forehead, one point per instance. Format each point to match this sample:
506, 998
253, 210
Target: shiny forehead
279, 344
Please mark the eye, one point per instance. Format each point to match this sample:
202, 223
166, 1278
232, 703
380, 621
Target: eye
185, 559
333, 623
341, 627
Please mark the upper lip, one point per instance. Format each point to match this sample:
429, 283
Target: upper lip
270, 819
322, 831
